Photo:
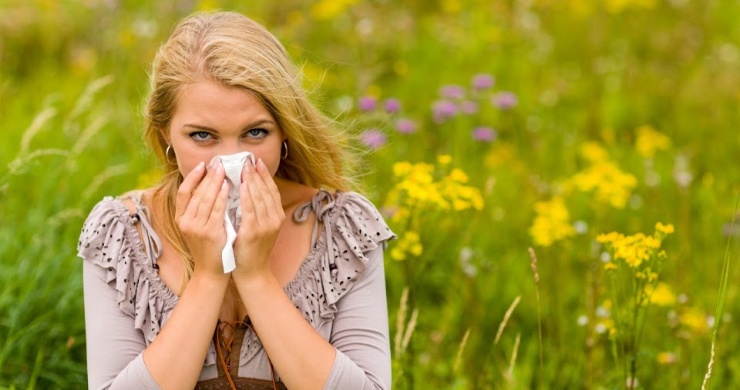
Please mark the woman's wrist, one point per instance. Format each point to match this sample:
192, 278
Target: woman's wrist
209, 278
253, 280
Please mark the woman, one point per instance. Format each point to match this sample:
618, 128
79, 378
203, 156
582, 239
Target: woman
305, 306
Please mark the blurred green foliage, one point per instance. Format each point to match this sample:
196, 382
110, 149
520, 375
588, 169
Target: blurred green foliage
73, 76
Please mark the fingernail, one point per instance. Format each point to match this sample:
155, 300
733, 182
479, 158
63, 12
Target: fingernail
200, 166
261, 163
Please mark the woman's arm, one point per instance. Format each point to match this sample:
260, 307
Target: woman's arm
299, 353
114, 345
175, 357
360, 332
301, 356
359, 354
304, 359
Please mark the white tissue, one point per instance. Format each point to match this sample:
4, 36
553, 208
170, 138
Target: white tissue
233, 164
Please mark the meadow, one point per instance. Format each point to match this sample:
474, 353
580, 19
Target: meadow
602, 134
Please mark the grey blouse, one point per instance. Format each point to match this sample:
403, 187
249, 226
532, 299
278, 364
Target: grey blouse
339, 289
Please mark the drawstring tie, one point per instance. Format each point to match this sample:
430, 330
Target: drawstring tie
317, 204
152, 242
218, 338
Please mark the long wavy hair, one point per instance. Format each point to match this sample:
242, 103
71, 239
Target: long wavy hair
235, 51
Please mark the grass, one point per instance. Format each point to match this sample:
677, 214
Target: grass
72, 83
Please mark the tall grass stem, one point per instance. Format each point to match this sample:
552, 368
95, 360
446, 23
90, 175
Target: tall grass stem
721, 302
533, 257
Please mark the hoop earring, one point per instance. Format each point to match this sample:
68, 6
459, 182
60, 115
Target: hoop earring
167, 155
285, 154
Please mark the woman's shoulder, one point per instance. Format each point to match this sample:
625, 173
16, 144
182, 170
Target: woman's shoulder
353, 205
113, 218
110, 242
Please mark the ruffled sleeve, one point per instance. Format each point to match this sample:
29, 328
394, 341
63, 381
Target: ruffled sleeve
356, 229
351, 227
110, 240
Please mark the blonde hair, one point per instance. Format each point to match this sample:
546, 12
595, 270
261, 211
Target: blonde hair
233, 50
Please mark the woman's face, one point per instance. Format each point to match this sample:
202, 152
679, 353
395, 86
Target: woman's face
212, 119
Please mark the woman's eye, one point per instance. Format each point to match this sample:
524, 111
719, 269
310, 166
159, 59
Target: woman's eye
256, 133
200, 135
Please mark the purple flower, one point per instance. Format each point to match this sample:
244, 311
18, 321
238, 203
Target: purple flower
443, 109
482, 81
373, 139
468, 107
392, 105
406, 126
367, 103
452, 91
504, 100
484, 134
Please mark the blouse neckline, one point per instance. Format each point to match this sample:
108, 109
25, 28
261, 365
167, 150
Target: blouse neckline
318, 241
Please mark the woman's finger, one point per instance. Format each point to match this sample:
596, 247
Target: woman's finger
265, 185
247, 206
246, 168
219, 208
256, 189
209, 192
185, 191
197, 194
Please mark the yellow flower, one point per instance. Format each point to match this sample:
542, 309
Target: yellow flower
444, 159
666, 358
634, 250
661, 295
651, 242
419, 189
451, 6
665, 229
408, 243
551, 223
593, 152
649, 141
602, 177
617, 6
610, 266
207, 5
694, 319
328, 9
401, 168
398, 254
606, 325
458, 176
609, 238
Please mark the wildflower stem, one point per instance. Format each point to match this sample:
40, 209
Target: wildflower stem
721, 302
637, 304
533, 256
618, 348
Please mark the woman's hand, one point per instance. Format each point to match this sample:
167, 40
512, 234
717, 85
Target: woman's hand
262, 218
199, 213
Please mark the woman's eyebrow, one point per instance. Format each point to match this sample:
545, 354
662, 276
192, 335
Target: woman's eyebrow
249, 126
259, 123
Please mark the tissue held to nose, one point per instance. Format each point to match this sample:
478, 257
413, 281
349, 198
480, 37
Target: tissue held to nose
233, 164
